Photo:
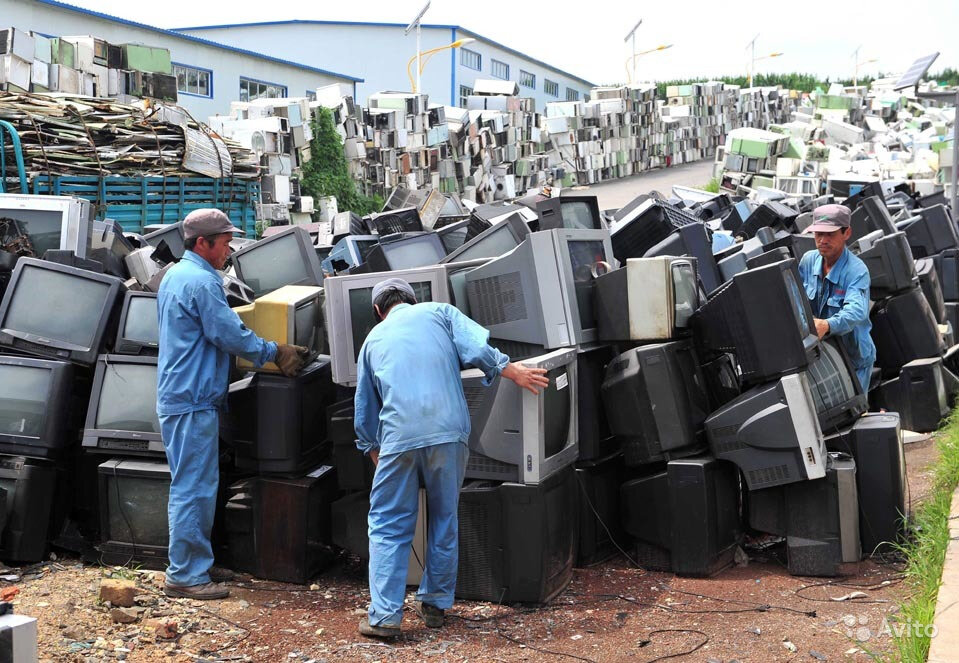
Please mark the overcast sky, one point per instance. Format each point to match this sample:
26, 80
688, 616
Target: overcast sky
586, 38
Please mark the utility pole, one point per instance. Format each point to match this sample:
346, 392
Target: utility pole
632, 52
416, 24
752, 58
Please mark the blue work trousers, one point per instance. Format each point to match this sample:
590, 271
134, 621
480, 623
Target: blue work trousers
192, 452
394, 502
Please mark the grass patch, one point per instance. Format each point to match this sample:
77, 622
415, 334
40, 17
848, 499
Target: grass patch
926, 550
712, 186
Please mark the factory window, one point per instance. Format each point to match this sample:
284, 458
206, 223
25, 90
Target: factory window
311, 95
571, 94
499, 69
193, 80
251, 89
471, 59
527, 79
550, 87
464, 93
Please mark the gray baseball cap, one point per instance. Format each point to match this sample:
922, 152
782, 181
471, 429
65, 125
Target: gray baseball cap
392, 284
829, 218
206, 222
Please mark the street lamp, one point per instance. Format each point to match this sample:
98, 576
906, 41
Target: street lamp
855, 59
416, 24
755, 60
629, 76
632, 35
421, 64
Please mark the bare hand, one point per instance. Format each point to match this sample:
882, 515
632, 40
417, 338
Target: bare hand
528, 378
822, 327
375, 456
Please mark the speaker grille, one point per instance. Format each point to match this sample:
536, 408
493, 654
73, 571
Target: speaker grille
475, 572
775, 474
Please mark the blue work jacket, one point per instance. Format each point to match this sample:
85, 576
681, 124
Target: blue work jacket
841, 298
408, 388
198, 333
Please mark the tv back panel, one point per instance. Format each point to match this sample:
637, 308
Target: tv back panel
929, 282
292, 314
121, 417
32, 488
170, 234
139, 330
286, 258
891, 266
601, 533
645, 226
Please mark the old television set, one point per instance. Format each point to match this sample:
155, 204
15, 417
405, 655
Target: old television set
133, 512
292, 314
139, 330
58, 312
836, 391
403, 220
574, 212
403, 251
453, 235
763, 317
771, 432
456, 277
170, 234
517, 542
601, 532
51, 222
541, 292
919, 395
277, 424
286, 258
869, 216
692, 240
36, 417
656, 402
645, 226
349, 311
349, 252
31, 492
891, 266
904, 328
932, 232
929, 282
122, 417
647, 299
493, 242
519, 436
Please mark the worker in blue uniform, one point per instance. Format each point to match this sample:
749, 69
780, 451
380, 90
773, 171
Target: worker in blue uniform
412, 420
198, 333
837, 284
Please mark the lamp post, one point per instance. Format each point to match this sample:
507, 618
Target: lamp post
634, 56
421, 64
416, 24
755, 60
855, 59
632, 35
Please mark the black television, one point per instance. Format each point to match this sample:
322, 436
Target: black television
453, 235
771, 432
601, 532
656, 402
904, 328
403, 220
645, 226
836, 391
286, 258
133, 512
122, 417
354, 469
500, 238
919, 395
595, 439
403, 251
139, 330
32, 492
770, 214
686, 519
947, 269
58, 312
931, 233
172, 235
517, 543
763, 317
278, 423
890, 263
292, 548
929, 282
871, 215
36, 406
576, 211
692, 240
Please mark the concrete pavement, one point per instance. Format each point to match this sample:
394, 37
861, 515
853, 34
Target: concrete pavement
944, 646
616, 193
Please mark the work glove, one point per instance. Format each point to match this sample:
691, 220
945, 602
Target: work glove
290, 358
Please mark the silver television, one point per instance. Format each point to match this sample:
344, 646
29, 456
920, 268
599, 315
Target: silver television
51, 222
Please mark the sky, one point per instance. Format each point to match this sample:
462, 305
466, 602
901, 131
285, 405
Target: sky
587, 38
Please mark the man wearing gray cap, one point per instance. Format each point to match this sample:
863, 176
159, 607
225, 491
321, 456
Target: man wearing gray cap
198, 333
837, 284
411, 418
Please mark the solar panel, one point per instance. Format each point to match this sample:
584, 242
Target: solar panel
915, 72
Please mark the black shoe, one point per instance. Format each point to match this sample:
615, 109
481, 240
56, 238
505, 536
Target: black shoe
432, 616
382, 631
220, 574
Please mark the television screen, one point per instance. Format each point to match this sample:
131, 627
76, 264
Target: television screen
426, 249
363, 318
583, 256
137, 508
493, 242
128, 399
141, 324
273, 264
23, 399
305, 325
363, 248
42, 226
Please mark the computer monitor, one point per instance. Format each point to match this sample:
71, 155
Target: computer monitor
933, 232
891, 266
50, 222
762, 316
647, 299
292, 314
349, 311
646, 226
493, 242
519, 436
122, 417
836, 391
139, 330
904, 328
58, 312
656, 402
348, 252
404, 251
929, 282
172, 235
32, 490
692, 240
574, 212
35, 406
133, 512
541, 292
517, 542
277, 424
771, 432
402, 220
286, 258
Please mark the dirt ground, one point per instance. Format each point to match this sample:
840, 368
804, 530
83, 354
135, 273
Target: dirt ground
610, 612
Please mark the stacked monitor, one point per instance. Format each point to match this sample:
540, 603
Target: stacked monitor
122, 415
50, 222
138, 332
573, 212
286, 258
35, 406
133, 512
493, 242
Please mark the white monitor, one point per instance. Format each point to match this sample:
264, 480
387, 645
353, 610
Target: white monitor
51, 222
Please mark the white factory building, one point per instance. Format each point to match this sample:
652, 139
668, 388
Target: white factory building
379, 53
210, 74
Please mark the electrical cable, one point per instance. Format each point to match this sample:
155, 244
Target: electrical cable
676, 630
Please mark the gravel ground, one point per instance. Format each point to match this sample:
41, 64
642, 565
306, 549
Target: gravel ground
610, 612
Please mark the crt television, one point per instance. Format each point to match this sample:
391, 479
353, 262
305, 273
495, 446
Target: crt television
349, 312
170, 234
692, 240
889, 260
519, 436
139, 330
574, 212
542, 291
122, 417
35, 406
348, 252
404, 251
836, 391
57, 311
286, 258
133, 511
51, 222
292, 314
647, 299
31, 488
493, 242
645, 226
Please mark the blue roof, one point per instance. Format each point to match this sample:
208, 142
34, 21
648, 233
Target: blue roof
392, 25
198, 40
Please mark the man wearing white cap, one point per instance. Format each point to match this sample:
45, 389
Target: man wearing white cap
837, 284
198, 333
411, 418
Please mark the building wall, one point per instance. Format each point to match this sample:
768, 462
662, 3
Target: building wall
227, 66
